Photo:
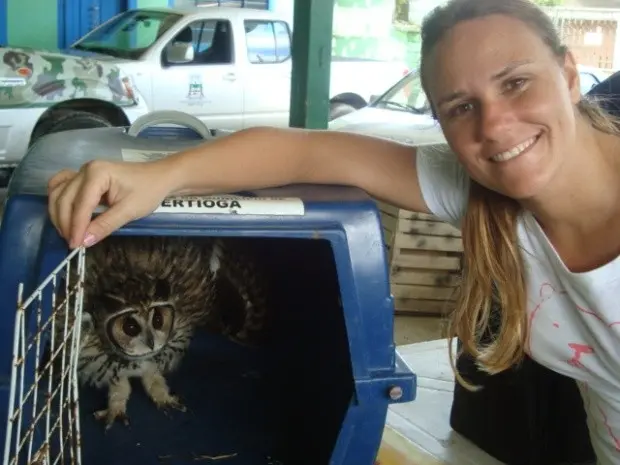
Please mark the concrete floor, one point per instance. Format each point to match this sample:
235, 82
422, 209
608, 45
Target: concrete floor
413, 329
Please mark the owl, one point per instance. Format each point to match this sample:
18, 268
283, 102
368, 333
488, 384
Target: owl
144, 298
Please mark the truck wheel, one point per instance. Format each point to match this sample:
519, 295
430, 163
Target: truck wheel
71, 119
338, 109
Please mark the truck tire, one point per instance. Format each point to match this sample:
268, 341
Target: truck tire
71, 119
337, 109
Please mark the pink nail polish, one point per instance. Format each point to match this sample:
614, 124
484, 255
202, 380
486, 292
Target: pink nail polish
89, 240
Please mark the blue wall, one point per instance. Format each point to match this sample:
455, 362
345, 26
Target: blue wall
3, 21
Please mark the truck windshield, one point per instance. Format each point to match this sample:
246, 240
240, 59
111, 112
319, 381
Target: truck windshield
129, 34
406, 95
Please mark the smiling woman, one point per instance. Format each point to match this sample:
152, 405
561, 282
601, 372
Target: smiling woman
530, 173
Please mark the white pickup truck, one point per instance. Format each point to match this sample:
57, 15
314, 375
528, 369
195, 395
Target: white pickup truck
230, 67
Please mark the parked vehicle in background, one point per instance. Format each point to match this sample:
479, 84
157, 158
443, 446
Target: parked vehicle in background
403, 113
591, 76
230, 67
43, 92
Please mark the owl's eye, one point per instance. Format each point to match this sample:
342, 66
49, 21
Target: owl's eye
131, 327
158, 319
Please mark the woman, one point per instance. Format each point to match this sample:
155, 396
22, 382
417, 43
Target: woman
531, 174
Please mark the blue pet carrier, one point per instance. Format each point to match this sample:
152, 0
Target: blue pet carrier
317, 394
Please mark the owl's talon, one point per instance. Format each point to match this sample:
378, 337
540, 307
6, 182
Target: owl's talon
110, 416
171, 402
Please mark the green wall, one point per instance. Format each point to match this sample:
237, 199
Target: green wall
26, 16
151, 3
32, 23
365, 29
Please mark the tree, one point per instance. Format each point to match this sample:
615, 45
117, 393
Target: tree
401, 11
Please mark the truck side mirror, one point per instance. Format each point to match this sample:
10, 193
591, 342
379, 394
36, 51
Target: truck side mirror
179, 52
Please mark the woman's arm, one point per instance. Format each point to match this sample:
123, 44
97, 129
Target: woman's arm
267, 157
249, 159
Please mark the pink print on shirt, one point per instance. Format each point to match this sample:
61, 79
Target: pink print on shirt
609, 430
579, 351
597, 316
545, 292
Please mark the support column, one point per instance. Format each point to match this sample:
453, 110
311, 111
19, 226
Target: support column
312, 51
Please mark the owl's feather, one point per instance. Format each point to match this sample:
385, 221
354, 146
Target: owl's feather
238, 274
187, 273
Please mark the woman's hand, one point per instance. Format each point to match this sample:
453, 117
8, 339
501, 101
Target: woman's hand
130, 190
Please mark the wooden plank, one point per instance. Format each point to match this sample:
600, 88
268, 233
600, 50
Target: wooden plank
420, 306
389, 222
387, 208
388, 239
428, 228
423, 277
409, 215
425, 260
439, 244
406, 291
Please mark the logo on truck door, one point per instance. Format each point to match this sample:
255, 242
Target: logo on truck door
195, 92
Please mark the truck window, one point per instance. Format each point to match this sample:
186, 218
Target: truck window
129, 34
212, 42
267, 41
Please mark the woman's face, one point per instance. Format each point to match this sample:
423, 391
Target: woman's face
505, 103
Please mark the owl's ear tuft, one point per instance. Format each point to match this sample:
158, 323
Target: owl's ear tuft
162, 289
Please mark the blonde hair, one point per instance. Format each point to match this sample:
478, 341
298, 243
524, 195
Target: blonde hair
493, 270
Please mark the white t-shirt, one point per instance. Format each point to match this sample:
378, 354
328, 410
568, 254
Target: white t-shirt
574, 317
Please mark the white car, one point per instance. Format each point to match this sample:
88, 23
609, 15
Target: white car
402, 113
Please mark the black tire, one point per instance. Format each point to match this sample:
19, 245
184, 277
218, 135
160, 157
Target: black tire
67, 120
338, 109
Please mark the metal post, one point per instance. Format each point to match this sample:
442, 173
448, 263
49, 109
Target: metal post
312, 51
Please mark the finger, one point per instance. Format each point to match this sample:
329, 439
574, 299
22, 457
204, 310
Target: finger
59, 178
104, 224
65, 205
87, 198
57, 199
52, 203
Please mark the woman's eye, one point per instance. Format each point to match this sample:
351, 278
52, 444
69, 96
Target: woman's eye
460, 109
515, 84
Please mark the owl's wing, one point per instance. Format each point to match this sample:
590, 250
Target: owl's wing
239, 274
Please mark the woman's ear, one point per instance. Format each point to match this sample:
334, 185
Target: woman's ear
571, 72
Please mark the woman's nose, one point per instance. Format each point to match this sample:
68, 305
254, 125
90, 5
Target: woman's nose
495, 118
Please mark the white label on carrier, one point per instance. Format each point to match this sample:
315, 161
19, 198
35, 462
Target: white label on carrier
233, 205
136, 155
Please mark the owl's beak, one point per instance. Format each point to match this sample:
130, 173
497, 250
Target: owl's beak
150, 341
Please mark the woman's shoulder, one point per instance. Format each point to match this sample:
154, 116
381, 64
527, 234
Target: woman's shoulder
443, 181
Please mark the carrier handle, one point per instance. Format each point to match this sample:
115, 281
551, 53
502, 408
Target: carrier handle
171, 117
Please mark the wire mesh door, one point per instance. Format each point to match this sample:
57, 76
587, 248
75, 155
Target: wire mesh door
43, 426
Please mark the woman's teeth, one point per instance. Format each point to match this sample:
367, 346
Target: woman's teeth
515, 151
